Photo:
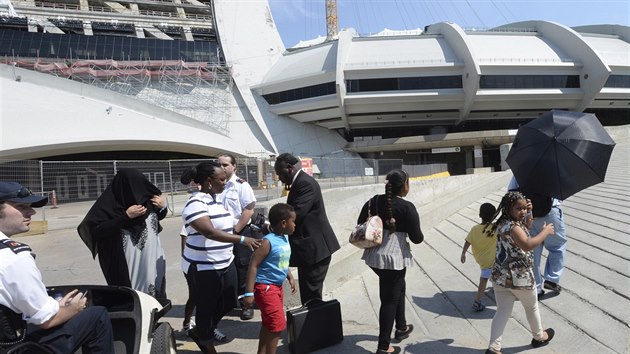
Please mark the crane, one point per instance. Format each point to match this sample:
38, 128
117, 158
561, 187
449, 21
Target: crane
332, 28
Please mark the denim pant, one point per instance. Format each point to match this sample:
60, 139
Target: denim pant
505, 298
555, 244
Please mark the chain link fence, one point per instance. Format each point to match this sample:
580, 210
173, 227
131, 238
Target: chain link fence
75, 181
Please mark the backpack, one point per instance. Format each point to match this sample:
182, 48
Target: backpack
541, 204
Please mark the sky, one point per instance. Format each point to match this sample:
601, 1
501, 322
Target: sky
306, 19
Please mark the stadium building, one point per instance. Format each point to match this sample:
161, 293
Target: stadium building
192, 78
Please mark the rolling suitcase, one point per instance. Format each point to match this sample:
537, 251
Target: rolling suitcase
315, 325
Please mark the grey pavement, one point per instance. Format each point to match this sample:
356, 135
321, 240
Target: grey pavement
590, 315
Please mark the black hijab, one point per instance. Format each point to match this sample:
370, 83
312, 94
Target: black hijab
129, 187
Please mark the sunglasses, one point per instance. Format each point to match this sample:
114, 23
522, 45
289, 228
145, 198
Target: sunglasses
23, 193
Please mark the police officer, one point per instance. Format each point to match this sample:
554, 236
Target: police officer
62, 326
238, 198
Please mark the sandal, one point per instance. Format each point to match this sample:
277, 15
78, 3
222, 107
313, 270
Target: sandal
391, 350
478, 306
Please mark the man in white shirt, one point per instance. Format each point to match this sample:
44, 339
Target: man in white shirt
62, 326
238, 198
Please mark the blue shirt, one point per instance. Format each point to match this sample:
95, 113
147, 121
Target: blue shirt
275, 267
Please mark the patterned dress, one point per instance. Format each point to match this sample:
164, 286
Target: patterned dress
513, 267
145, 258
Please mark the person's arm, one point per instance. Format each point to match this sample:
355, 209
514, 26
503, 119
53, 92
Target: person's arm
529, 243
363, 214
291, 282
303, 198
204, 226
246, 215
464, 250
257, 258
69, 306
415, 233
114, 225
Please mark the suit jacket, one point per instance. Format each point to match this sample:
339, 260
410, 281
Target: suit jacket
314, 238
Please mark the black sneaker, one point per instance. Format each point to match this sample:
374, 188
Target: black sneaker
555, 287
247, 314
401, 334
541, 294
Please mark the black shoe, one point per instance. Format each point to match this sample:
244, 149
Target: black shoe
490, 351
247, 314
542, 343
555, 287
541, 294
403, 334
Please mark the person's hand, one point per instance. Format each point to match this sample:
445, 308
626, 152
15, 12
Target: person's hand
293, 286
549, 228
251, 243
248, 302
529, 206
463, 258
74, 300
158, 201
135, 211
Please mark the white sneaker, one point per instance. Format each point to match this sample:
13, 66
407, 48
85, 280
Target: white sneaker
220, 337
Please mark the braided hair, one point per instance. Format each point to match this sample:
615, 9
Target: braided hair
394, 182
200, 173
507, 202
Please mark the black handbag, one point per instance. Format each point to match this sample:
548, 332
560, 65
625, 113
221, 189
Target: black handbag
315, 325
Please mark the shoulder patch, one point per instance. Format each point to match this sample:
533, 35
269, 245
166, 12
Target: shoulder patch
240, 180
14, 246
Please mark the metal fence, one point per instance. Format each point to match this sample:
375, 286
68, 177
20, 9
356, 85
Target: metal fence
74, 181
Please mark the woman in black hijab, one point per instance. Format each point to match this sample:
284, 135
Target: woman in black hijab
122, 228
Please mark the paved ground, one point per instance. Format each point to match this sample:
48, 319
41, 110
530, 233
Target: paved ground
591, 315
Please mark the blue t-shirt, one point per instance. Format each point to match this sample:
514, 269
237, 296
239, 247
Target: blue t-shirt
275, 267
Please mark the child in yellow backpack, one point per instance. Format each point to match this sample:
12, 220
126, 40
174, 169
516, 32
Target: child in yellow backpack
484, 246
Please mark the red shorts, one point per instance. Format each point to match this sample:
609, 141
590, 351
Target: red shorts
270, 301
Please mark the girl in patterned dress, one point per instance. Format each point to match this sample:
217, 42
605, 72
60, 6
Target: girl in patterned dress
512, 273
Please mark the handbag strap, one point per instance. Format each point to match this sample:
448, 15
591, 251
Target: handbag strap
370, 207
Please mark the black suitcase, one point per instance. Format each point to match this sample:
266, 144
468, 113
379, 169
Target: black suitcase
314, 326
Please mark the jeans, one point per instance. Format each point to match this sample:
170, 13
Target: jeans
505, 298
555, 244
392, 287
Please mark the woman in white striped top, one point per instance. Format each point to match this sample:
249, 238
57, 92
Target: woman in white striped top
208, 259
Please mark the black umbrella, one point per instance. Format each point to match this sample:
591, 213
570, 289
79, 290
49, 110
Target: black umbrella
560, 153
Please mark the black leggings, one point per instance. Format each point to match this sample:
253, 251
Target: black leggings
214, 293
391, 285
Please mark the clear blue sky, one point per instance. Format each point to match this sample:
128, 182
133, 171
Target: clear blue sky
306, 19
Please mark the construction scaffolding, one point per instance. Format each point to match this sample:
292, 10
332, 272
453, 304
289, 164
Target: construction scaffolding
201, 91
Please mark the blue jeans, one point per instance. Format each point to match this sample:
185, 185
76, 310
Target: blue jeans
555, 244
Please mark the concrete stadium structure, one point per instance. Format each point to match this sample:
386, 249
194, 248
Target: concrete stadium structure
464, 92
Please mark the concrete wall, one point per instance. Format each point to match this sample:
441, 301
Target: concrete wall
436, 199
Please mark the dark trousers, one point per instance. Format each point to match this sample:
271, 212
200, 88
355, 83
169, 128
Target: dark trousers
391, 286
311, 279
90, 330
242, 257
214, 294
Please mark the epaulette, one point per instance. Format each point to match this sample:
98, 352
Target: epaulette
14, 246
240, 180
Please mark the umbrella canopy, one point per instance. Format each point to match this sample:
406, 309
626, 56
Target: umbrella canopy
560, 153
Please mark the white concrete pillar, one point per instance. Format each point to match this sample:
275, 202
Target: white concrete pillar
478, 156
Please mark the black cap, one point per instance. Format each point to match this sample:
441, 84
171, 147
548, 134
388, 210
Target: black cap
15, 192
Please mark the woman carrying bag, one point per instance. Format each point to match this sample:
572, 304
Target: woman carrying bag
390, 259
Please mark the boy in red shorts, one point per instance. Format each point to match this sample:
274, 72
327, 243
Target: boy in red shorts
268, 269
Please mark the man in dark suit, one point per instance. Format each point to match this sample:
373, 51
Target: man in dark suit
313, 242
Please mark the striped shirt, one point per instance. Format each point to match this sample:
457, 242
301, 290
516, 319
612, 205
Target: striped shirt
206, 253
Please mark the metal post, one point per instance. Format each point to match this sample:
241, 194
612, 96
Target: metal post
170, 182
41, 185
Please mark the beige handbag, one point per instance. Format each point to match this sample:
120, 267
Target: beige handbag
370, 233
